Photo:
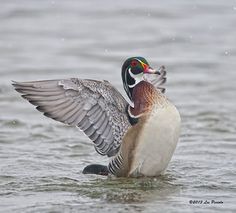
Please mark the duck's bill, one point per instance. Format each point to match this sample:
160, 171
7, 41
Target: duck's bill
150, 70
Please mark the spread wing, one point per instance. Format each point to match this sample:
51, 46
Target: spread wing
96, 107
158, 80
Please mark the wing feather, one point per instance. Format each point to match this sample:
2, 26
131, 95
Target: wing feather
96, 107
94, 136
159, 80
90, 131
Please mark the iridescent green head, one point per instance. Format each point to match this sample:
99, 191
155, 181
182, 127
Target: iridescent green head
132, 73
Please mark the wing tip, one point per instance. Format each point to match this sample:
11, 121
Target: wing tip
14, 83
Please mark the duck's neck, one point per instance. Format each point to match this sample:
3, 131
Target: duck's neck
130, 81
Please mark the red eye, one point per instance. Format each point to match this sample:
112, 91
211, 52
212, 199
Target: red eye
134, 63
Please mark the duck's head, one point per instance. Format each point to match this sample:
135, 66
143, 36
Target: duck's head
133, 71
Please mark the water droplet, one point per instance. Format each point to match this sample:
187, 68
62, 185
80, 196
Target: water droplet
226, 53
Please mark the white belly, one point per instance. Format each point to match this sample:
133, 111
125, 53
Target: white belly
157, 142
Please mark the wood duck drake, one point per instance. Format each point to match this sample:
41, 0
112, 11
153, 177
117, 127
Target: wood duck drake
140, 137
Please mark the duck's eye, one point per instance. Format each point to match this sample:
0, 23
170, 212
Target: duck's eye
134, 63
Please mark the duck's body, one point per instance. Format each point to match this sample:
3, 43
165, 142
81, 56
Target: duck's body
154, 138
155, 143
140, 138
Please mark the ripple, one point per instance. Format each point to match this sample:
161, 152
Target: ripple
15, 123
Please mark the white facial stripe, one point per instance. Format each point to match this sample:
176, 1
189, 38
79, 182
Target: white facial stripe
137, 78
140, 62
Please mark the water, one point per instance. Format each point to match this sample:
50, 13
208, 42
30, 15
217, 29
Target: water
41, 161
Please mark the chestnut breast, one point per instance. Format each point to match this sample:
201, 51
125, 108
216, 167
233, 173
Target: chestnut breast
144, 97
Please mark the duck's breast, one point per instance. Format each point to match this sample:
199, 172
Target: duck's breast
156, 142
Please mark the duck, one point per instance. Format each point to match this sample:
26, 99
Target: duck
139, 136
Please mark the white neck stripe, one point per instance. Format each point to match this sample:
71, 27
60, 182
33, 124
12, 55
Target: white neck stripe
137, 78
133, 116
